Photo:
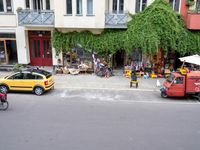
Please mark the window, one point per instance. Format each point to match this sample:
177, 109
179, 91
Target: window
118, 6
175, 4
17, 76
79, 7
114, 6
69, 7
8, 6
38, 77
121, 6
1, 6
198, 6
27, 4
29, 76
178, 80
5, 5
37, 5
48, 7
90, 7
140, 5
2, 52
7, 35
144, 4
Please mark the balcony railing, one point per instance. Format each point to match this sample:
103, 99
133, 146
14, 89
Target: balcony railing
193, 21
38, 18
116, 20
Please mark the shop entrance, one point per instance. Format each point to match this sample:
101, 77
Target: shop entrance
118, 59
8, 49
40, 48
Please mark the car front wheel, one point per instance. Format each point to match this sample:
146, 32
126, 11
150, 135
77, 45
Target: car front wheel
163, 94
38, 91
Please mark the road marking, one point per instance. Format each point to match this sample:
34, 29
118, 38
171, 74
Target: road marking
100, 88
106, 98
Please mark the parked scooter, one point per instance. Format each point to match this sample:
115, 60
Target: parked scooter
3, 101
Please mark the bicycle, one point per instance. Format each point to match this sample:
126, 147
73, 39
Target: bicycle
3, 101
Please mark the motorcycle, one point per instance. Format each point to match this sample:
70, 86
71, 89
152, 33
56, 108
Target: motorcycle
3, 101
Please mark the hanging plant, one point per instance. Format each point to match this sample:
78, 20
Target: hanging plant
190, 2
158, 26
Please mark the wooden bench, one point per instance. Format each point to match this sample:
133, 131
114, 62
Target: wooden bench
134, 82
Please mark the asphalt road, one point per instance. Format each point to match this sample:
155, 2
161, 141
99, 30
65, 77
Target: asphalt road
92, 119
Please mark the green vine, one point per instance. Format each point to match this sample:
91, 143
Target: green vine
158, 26
190, 2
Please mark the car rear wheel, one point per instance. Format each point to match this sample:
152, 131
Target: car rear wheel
38, 91
163, 94
3, 89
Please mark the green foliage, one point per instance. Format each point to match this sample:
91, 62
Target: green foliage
18, 67
158, 26
105, 43
190, 2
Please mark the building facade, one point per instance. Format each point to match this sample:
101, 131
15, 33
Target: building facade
26, 26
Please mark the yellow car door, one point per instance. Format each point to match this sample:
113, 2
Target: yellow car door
29, 81
15, 82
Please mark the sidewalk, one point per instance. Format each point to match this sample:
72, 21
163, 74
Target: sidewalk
91, 81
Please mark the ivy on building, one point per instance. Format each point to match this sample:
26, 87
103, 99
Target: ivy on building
158, 26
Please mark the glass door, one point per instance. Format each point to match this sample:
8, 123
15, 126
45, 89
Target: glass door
3, 52
37, 5
118, 6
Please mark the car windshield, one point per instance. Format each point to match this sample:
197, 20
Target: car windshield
170, 78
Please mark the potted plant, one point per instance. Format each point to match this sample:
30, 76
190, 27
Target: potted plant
190, 2
19, 9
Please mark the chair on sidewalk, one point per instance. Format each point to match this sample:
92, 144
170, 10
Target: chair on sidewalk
135, 83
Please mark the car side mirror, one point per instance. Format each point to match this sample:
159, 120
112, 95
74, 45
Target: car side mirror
174, 82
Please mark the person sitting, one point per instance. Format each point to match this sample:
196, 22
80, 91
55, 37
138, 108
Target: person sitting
133, 76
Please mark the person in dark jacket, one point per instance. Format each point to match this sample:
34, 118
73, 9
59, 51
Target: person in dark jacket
133, 76
134, 79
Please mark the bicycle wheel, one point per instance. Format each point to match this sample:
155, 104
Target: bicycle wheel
4, 105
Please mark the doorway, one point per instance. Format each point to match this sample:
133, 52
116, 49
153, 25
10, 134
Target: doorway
12, 51
40, 48
3, 53
37, 5
8, 51
118, 59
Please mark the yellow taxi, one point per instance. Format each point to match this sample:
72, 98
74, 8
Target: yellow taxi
36, 80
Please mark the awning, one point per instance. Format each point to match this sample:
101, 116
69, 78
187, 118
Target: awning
194, 59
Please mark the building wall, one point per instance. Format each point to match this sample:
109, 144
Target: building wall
63, 22
22, 47
74, 21
8, 20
